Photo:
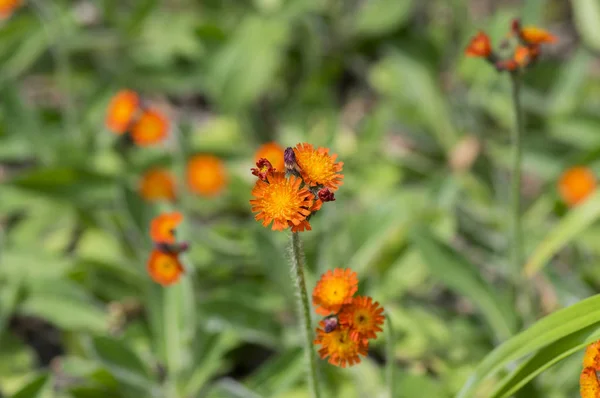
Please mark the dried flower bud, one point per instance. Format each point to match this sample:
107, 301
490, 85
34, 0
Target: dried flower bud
326, 195
331, 323
262, 169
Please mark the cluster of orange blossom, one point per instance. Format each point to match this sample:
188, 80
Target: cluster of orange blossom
588, 380
350, 321
288, 196
164, 266
525, 52
7, 7
576, 184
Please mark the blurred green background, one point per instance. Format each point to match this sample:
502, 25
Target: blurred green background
422, 216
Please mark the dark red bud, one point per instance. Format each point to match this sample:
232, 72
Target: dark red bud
331, 323
262, 169
326, 195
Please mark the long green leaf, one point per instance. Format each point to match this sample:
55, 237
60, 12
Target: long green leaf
575, 222
461, 276
541, 334
545, 358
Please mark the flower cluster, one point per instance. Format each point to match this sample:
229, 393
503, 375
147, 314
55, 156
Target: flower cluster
288, 197
524, 52
163, 265
588, 380
350, 321
128, 115
576, 184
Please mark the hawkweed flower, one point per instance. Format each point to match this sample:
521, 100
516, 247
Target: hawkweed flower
122, 110
263, 169
206, 175
588, 380
7, 7
480, 46
333, 290
576, 184
157, 185
317, 167
164, 267
163, 227
337, 344
363, 318
531, 35
273, 152
150, 128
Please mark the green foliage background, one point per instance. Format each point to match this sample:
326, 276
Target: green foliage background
385, 85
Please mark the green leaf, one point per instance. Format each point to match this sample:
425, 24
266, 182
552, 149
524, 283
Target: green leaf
66, 312
575, 222
117, 355
33, 389
460, 275
377, 17
544, 359
541, 334
587, 21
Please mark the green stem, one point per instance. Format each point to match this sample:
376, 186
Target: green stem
297, 270
517, 228
390, 340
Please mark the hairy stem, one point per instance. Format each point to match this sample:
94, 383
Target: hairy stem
517, 228
297, 270
390, 340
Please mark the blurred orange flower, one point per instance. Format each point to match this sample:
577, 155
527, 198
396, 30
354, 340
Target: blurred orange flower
363, 317
535, 35
151, 128
339, 347
479, 46
592, 356
121, 110
206, 175
273, 152
7, 7
157, 185
164, 267
334, 289
282, 201
589, 387
576, 184
317, 167
162, 228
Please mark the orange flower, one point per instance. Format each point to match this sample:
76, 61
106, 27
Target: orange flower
121, 110
339, 347
318, 167
576, 184
363, 318
281, 200
150, 128
7, 7
206, 175
162, 228
164, 268
333, 290
525, 55
273, 152
535, 35
479, 46
589, 387
156, 185
592, 356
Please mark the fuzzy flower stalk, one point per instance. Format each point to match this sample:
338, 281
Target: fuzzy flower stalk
287, 199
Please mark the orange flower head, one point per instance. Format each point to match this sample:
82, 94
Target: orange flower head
524, 55
317, 167
592, 356
589, 387
282, 201
363, 318
162, 228
7, 7
576, 184
479, 46
164, 268
122, 110
333, 290
151, 128
206, 175
157, 185
273, 152
339, 347
533, 35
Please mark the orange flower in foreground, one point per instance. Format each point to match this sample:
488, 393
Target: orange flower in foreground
281, 200
164, 268
363, 317
273, 152
339, 347
156, 185
151, 128
121, 110
162, 228
535, 35
576, 184
206, 175
317, 167
589, 387
7, 7
479, 46
525, 55
334, 289
592, 356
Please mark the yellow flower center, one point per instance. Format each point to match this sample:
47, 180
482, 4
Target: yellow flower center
281, 200
319, 167
335, 291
